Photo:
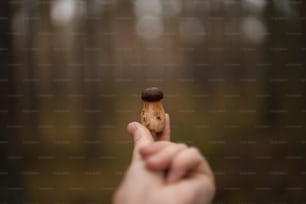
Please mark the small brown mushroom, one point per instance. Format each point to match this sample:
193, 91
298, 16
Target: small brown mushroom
153, 114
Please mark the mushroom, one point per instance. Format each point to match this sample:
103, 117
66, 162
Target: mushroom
152, 114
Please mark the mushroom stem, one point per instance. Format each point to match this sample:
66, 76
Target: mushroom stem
153, 116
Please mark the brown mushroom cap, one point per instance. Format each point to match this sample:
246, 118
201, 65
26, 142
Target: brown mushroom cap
152, 94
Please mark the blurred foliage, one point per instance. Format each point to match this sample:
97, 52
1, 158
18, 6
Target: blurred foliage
233, 74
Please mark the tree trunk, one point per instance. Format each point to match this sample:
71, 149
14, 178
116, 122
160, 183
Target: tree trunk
10, 158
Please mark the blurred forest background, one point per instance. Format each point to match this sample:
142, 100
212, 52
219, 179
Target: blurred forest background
233, 73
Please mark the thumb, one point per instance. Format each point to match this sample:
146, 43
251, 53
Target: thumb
141, 137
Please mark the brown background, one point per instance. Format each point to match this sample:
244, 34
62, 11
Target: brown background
233, 74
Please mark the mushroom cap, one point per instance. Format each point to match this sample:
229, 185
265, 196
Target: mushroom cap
152, 94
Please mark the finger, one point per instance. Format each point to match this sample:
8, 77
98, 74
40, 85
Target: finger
153, 148
162, 159
200, 188
141, 137
188, 161
165, 134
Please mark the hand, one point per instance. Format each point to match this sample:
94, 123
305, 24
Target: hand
164, 172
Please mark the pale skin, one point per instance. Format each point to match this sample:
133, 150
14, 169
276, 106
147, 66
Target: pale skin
163, 172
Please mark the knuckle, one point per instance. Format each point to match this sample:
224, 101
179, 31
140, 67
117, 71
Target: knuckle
182, 146
161, 143
194, 151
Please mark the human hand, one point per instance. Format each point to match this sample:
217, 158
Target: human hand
164, 172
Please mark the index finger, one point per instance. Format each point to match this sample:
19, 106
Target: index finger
141, 137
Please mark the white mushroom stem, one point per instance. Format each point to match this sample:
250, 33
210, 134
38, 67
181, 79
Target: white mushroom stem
153, 116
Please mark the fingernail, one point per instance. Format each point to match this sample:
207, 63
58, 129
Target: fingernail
143, 150
131, 127
147, 147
